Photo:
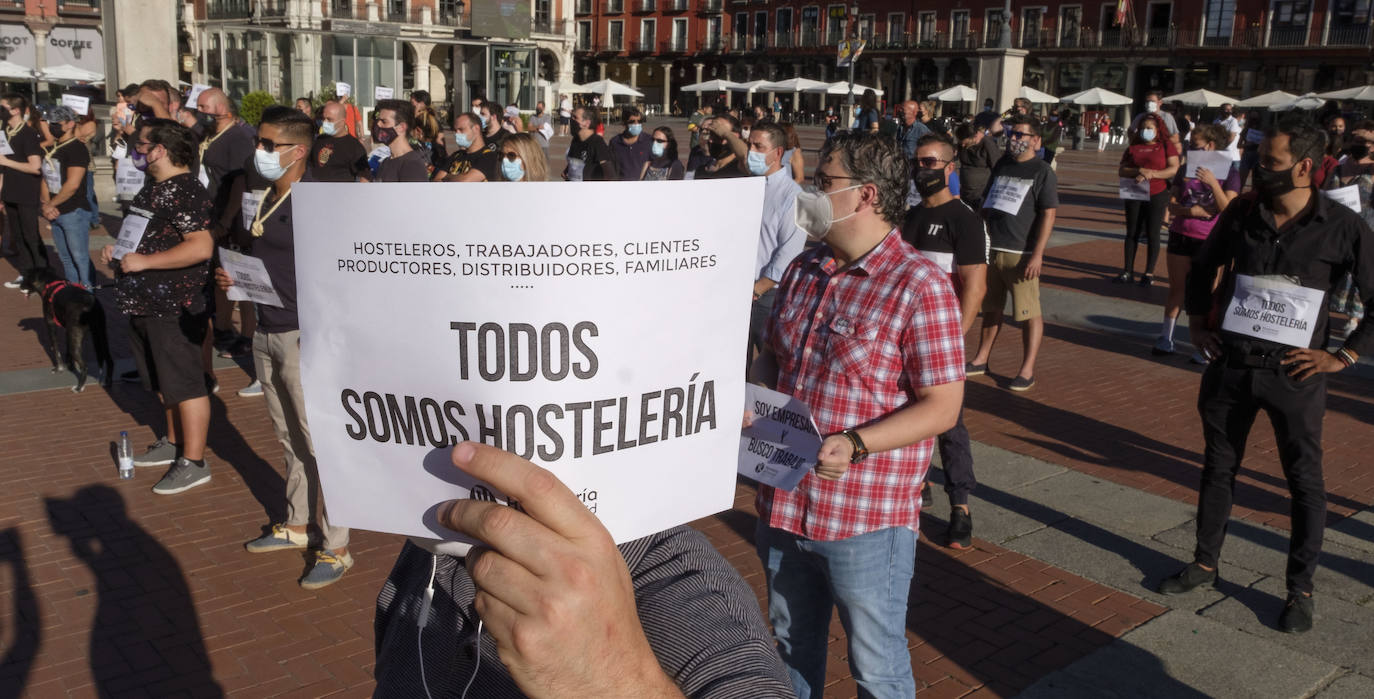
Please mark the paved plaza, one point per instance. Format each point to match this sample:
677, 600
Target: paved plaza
1086, 498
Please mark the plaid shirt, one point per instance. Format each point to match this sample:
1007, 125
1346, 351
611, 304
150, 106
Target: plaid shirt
855, 346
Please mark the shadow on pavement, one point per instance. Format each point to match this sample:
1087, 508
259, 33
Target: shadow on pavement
146, 636
26, 636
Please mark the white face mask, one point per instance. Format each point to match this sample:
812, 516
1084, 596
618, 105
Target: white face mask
327, 128
813, 212
269, 164
1151, 107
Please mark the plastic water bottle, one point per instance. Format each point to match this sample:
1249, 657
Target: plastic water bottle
126, 456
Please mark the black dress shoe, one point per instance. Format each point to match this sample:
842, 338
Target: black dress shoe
1297, 613
960, 533
1146, 280
1123, 278
1190, 578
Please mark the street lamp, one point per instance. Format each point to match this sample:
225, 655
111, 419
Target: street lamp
854, 34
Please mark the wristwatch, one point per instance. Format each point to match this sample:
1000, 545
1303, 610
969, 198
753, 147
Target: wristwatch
860, 451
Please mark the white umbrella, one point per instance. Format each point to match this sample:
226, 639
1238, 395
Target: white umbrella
1307, 101
14, 71
1036, 96
1268, 99
70, 73
842, 88
958, 93
750, 87
610, 87
1200, 98
791, 85
1359, 94
711, 86
1096, 96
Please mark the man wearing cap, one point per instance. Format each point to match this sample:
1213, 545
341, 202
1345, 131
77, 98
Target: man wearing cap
632, 150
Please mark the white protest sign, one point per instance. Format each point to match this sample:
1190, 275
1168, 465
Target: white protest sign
342, 90
193, 97
128, 179
131, 232
382, 92
120, 151
1275, 309
610, 358
251, 280
780, 447
1218, 161
249, 203
5, 147
1131, 190
203, 177
78, 103
51, 176
1348, 196
1007, 194
1254, 135
913, 198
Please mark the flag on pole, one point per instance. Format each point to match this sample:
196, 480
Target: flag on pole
1123, 12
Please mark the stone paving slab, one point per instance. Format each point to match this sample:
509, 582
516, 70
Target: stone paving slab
1182, 655
1350, 686
1342, 633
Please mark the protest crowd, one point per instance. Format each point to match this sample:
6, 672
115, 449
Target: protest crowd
908, 232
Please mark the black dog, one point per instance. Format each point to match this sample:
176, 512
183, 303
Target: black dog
75, 308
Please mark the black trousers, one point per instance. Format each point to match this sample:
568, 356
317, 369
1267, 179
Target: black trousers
957, 459
758, 319
1144, 220
1234, 389
22, 221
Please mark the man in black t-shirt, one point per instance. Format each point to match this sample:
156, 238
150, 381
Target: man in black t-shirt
589, 158
475, 160
336, 155
227, 146
63, 194
947, 232
161, 285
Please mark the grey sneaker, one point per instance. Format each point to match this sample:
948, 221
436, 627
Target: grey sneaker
327, 570
161, 453
279, 539
252, 390
181, 477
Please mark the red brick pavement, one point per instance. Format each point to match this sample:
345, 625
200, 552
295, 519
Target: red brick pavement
106, 586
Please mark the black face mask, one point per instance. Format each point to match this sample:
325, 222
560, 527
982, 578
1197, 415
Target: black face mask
206, 121
929, 181
56, 130
4, 115
1272, 184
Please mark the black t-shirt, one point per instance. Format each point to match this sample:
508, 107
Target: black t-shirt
496, 138
277, 250
70, 154
1010, 178
175, 207
592, 152
224, 162
950, 235
337, 159
487, 160
410, 167
21, 187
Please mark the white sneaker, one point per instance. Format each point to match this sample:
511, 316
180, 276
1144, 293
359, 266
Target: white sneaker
18, 282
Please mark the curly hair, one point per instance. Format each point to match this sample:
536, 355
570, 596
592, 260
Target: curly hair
874, 159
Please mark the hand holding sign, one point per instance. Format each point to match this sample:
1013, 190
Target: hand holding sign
382, 92
550, 570
342, 90
779, 443
78, 103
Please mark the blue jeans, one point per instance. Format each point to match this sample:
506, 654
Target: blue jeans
868, 578
71, 235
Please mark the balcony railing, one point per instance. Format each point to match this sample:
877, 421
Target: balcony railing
674, 5
709, 6
712, 44
675, 46
1288, 36
583, 44
784, 40
1349, 36
583, 7
615, 7
80, 7
808, 38
643, 6
611, 46
545, 25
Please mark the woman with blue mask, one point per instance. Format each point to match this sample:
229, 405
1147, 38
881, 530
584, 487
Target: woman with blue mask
1151, 158
664, 164
522, 159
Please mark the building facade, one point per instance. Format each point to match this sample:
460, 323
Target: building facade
1237, 47
506, 50
62, 37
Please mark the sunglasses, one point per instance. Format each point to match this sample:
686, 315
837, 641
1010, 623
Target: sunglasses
1018, 135
270, 145
931, 162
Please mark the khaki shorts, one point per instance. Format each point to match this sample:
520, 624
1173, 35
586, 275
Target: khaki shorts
1005, 274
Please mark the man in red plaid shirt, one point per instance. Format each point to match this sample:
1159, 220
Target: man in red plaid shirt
867, 333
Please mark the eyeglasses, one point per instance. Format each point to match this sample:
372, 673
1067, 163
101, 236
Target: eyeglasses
823, 181
270, 145
1018, 135
511, 155
931, 162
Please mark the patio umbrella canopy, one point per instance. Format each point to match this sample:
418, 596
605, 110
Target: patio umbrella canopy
842, 88
1306, 102
1358, 94
611, 88
749, 88
69, 73
1036, 96
1096, 96
711, 86
1268, 99
1200, 98
792, 85
958, 93
14, 71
